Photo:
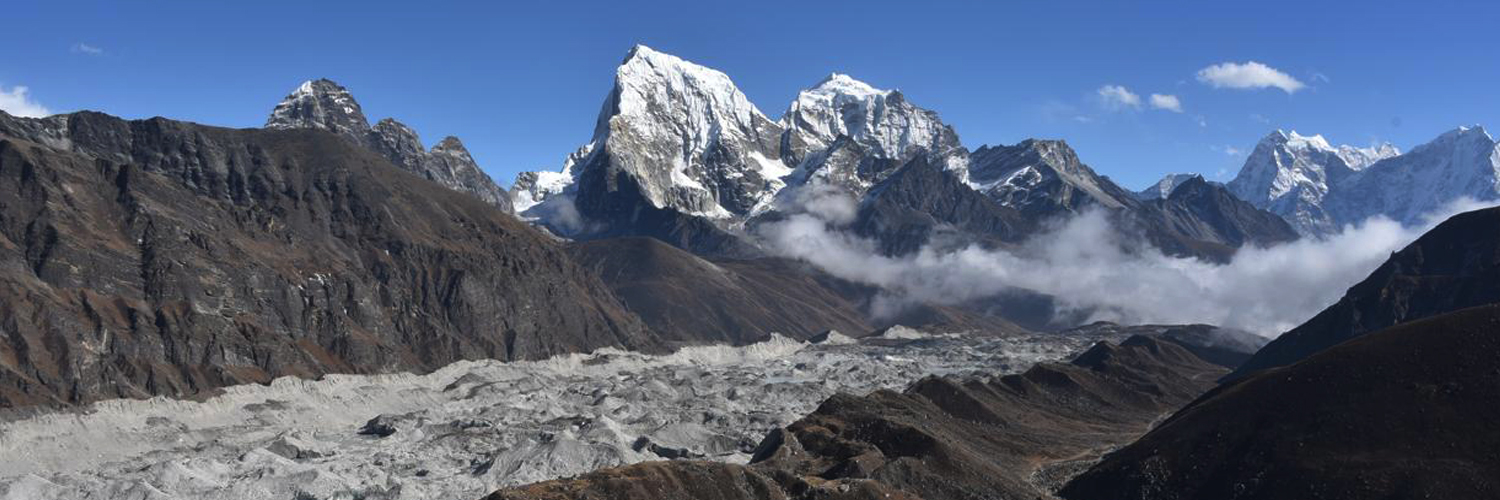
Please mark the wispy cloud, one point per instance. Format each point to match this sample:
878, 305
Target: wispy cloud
1093, 271
1228, 150
83, 48
16, 102
1166, 101
1248, 75
1260, 118
1115, 98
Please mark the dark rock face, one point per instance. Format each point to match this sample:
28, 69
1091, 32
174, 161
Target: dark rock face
1205, 219
1405, 412
1453, 266
324, 105
1044, 179
942, 438
921, 202
160, 257
617, 208
684, 297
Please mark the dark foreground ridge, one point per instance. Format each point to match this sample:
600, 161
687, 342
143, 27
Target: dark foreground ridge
1453, 266
941, 438
157, 257
1406, 412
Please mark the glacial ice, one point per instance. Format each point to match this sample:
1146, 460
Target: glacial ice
473, 426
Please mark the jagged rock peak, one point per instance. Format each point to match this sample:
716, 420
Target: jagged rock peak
325, 105
1042, 175
320, 104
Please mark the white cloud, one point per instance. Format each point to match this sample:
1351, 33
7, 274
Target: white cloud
16, 102
83, 48
1260, 118
1228, 150
1116, 97
1090, 270
1166, 101
1248, 75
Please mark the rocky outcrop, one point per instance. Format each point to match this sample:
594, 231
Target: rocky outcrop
1406, 412
1453, 266
324, 105
157, 257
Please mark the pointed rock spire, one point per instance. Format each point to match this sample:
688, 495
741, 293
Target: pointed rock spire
321, 104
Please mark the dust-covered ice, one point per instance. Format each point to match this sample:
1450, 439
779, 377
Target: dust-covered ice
472, 427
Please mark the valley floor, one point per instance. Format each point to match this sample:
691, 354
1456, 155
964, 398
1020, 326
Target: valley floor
472, 427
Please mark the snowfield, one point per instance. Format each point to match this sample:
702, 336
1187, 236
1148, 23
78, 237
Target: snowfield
473, 426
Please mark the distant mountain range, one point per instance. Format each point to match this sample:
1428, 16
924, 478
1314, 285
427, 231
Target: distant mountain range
679, 153
1320, 188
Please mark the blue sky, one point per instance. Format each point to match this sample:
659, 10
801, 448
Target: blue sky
522, 83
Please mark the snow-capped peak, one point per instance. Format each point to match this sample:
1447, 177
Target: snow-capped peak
1460, 163
687, 135
1294, 140
1315, 141
1463, 134
649, 80
1164, 187
880, 123
842, 84
1359, 158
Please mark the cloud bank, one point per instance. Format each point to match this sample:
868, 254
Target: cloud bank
1086, 266
1248, 75
16, 102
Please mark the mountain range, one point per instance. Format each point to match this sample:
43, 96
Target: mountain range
1320, 189
158, 257
680, 154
